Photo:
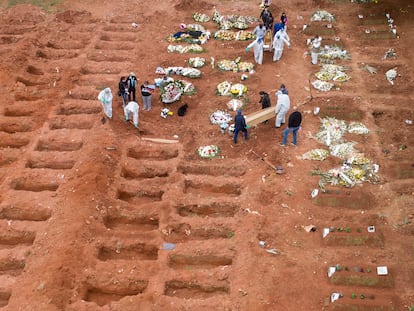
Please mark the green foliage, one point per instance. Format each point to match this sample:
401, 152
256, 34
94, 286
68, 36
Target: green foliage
46, 5
230, 234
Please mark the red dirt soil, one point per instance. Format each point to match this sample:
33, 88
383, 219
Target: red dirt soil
86, 207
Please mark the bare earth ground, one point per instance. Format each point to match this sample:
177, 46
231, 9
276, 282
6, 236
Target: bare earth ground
85, 207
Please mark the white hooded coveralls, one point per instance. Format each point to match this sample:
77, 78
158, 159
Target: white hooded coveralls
316, 49
280, 39
132, 108
282, 108
257, 50
105, 97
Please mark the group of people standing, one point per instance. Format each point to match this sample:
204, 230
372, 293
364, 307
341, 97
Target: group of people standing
127, 87
127, 90
281, 109
277, 32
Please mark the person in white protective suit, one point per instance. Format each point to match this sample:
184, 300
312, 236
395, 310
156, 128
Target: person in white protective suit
282, 107
131, 111
257, 45
105, 97
316, 49
279, 40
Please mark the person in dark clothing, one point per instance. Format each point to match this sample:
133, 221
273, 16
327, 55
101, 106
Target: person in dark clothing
195, 34
267, 18
284, 19
239, 125
294, 122
132, 85
265, 101
123, 90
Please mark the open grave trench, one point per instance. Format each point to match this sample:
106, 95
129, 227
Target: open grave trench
195, 290
48, 53
197, 188
197, 230
83, 93
21, 109
14, 238
134, 169
128, 218
104, 56
56, 160
127, 250
91, 69
71, 106
9, 39
11, 266
21, 29
4, 297
73, 121
103, 295
98, 81
115, 45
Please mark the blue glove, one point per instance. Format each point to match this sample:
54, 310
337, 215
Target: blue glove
260, 40
247, 50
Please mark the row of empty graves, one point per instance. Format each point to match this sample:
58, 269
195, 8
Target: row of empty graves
154, 239
149, 225
41, 134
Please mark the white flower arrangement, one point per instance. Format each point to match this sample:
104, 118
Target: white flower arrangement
208, 152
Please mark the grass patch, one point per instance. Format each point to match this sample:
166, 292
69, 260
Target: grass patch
378, 21
379, 35
311, 31
47, 5
358, 280
352, 240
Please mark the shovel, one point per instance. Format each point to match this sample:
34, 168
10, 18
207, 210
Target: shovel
279, 169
